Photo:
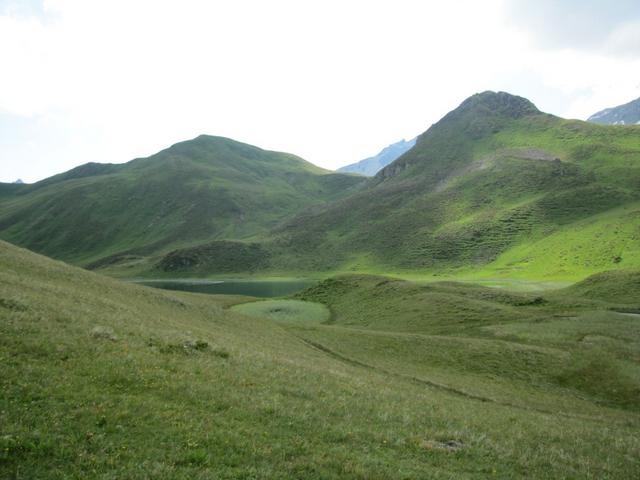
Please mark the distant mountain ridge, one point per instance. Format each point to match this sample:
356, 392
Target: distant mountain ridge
627, 114
372, 165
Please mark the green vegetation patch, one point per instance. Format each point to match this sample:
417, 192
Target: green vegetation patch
288, 310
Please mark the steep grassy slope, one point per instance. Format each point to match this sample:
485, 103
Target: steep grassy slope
596, 243
204, 189
493, 177
102, 379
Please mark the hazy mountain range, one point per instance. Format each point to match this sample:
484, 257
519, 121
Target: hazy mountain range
627, 114
372, 165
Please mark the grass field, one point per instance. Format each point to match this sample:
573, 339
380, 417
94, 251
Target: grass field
102, 379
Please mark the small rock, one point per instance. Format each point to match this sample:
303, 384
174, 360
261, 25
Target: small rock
447, 445
104, 333
199, 345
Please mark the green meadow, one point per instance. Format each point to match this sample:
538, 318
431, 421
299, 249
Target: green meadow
357, 377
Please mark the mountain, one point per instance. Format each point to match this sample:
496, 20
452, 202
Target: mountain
627, 114
207, 188
372, 165
19, 181
496, 186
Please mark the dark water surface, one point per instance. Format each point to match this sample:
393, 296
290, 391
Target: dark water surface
254, 288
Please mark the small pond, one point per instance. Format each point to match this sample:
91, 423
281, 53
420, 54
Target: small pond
253, 288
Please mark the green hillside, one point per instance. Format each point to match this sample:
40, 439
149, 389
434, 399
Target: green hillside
496, 189
208, 188
495, 186
103, 379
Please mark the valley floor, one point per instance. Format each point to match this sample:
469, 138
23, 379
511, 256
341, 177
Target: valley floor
357, 377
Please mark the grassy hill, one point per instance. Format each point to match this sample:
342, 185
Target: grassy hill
494, 189
103, 379
209, 188
495, 186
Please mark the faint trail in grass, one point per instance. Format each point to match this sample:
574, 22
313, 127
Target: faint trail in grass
439, 386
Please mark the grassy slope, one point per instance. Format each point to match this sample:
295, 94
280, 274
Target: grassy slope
547, 347
97, 383
203, 189
595, 244
621, 287
494, 186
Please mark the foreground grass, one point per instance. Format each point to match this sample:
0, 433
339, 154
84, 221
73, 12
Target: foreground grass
108, 380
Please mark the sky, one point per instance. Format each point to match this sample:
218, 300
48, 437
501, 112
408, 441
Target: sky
331, 81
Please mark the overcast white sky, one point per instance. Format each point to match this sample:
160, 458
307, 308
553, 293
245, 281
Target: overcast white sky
331, 81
